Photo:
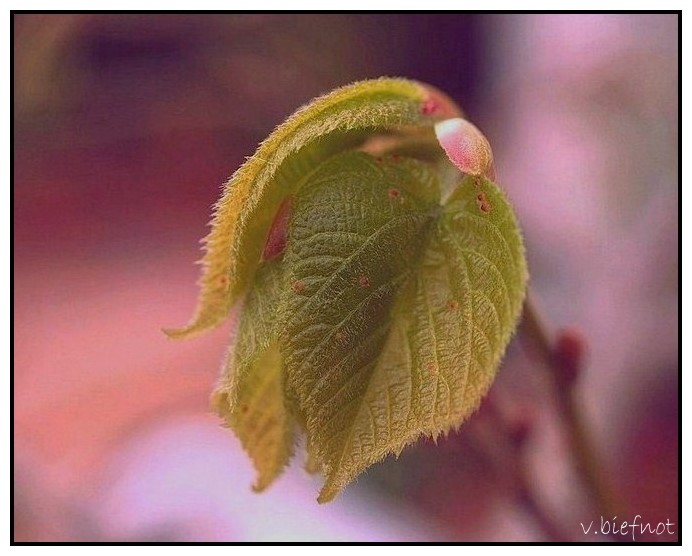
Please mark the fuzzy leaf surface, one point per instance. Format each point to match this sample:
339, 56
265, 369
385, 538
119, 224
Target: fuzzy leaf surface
396, 309
250, 394
329, 124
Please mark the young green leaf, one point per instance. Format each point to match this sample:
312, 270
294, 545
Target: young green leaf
250, 394
381, 287
252, 196
404, 307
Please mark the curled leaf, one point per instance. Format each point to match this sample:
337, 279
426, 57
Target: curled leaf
381, 286
250, 394
252, 196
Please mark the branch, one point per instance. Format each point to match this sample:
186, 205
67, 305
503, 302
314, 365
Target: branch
562, 357
503, 440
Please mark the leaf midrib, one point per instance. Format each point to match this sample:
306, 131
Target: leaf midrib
414, 275
369, 241
400, 300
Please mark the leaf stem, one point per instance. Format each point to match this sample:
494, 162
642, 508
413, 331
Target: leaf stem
563, 370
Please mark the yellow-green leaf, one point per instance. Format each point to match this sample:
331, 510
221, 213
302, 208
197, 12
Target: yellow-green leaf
381, 286
396, 310
329, 124
250, 393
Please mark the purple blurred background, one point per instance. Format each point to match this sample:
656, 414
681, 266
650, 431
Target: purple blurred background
125, 128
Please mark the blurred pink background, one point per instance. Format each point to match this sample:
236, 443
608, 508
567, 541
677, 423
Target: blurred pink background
125, 126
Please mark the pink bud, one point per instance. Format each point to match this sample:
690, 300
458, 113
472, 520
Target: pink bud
569, 350
466, 146
521, 426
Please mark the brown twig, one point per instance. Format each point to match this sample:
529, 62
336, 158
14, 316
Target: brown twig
510, 432
562, 356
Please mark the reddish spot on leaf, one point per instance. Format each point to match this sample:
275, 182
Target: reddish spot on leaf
396, 158
222, 282
278, 233
244, 408
431, 367
452, 304
445, 107
429, 106
483, 203
394, 193
297, 286
363, 281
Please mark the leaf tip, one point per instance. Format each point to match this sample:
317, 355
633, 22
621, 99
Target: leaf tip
328, 493
187, 332
260, 485
335, 480
212, 310
176, 333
